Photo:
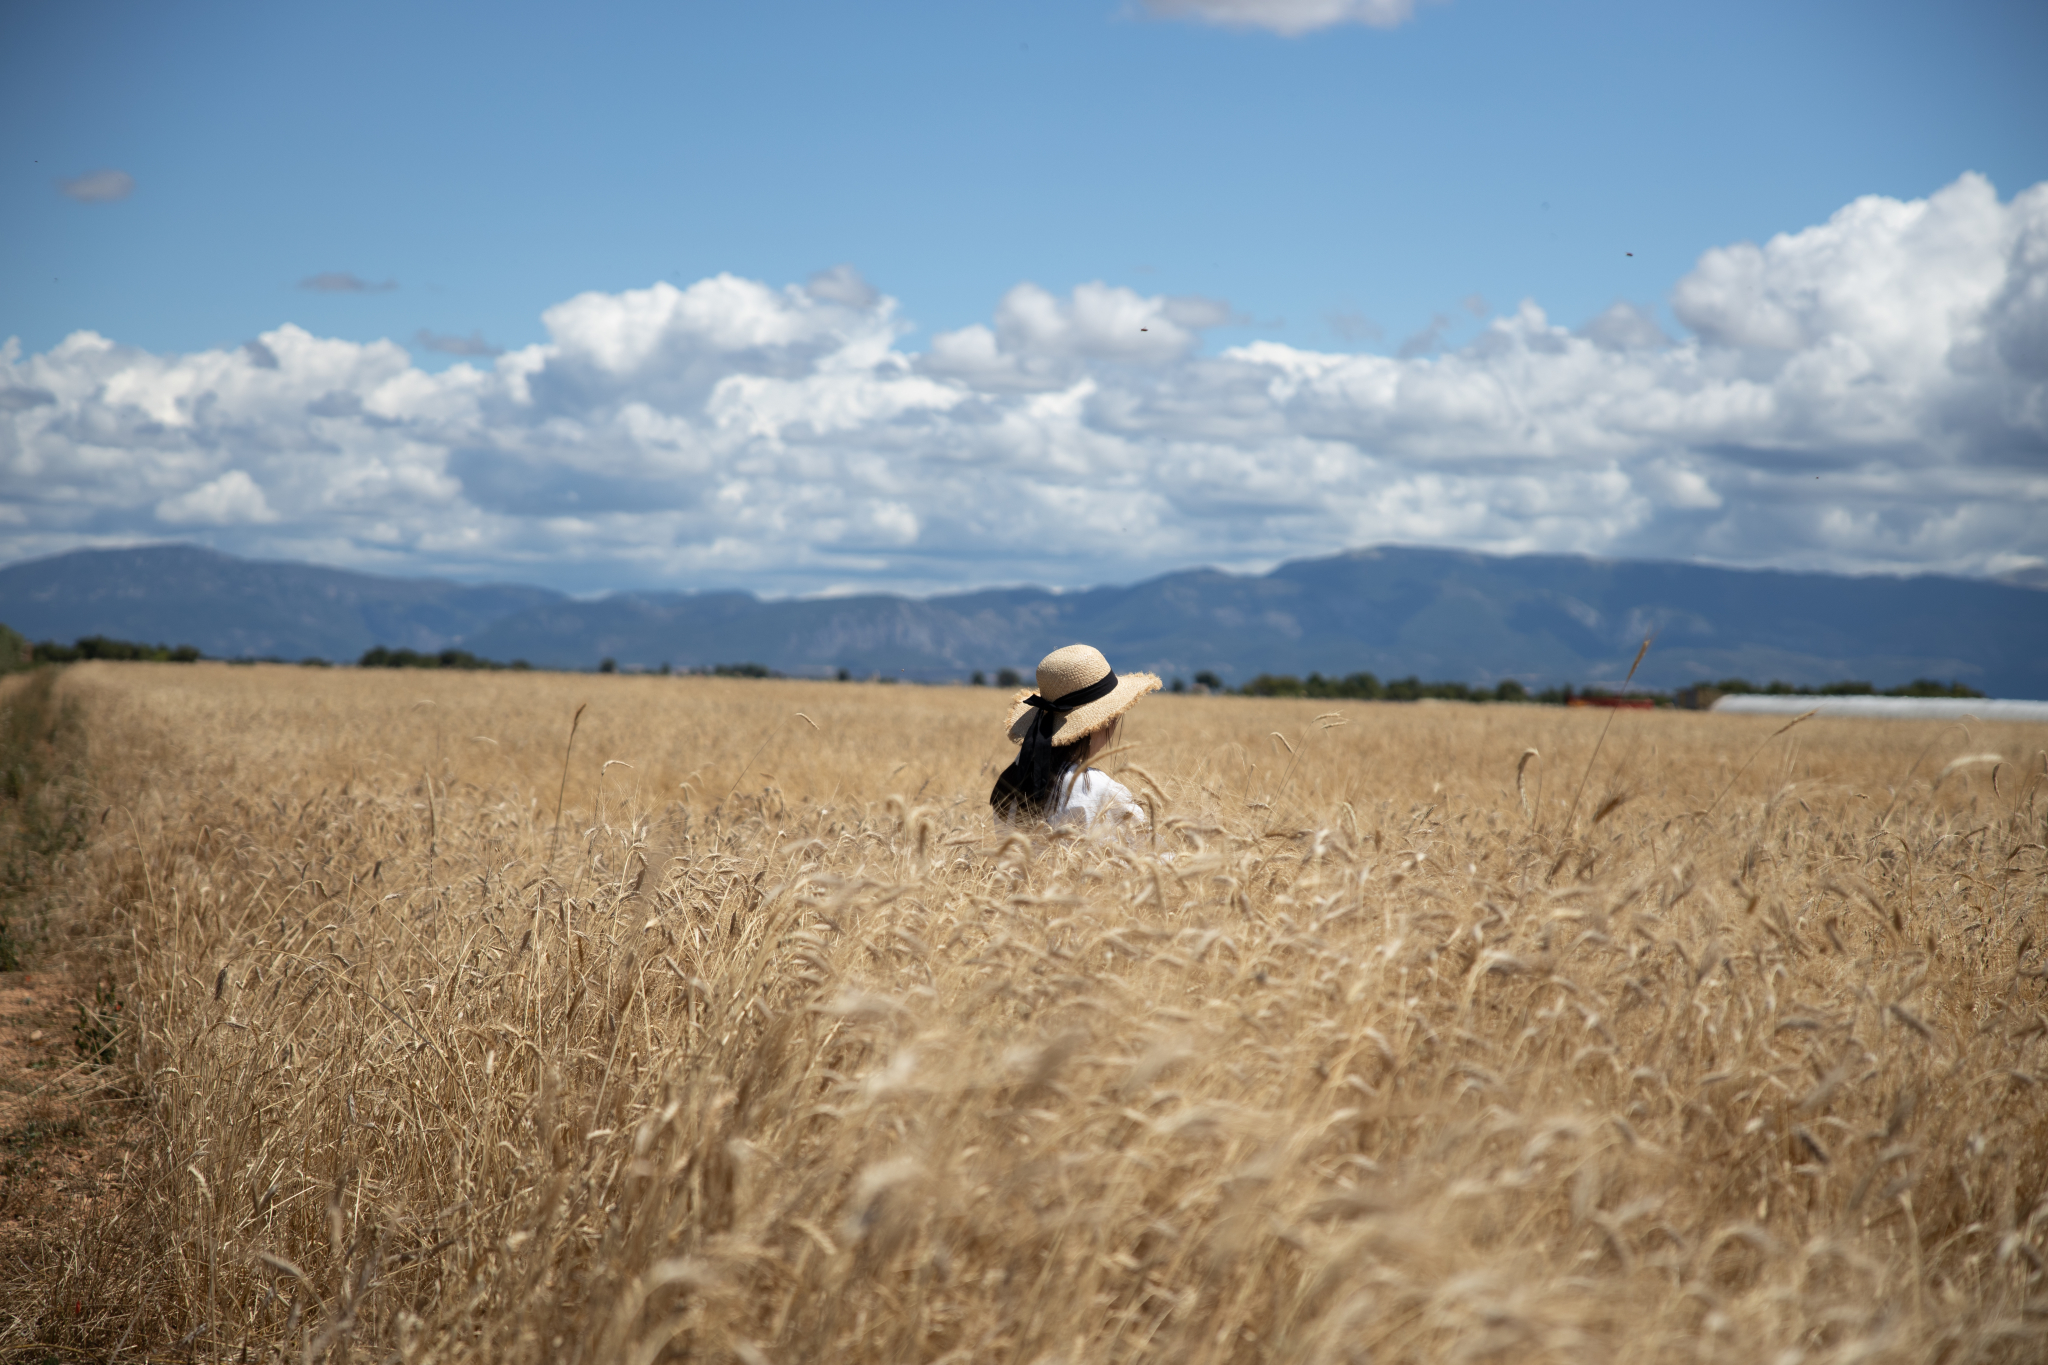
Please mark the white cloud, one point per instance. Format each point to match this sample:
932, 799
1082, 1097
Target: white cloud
447, 343
1624, 327
1869, 393
1041, 341
842, 284
1288, 17
100, 187
342, 282
1902, 282
233, 499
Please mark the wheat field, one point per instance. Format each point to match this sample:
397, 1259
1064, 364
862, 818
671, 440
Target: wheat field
1413, 1033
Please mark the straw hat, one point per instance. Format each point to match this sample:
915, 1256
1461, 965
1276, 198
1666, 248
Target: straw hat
1078, 669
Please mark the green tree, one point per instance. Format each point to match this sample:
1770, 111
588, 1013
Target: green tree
15, 653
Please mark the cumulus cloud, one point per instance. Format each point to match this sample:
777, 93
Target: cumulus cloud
1870, 393
843, 284
1622, 326
1432, 337
233, 499
1426, 340
447, 344
1039, 340
14, 399
1288, 17
100, 187
342, 282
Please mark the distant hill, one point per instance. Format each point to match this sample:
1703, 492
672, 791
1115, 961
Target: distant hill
244, 608
1394, 611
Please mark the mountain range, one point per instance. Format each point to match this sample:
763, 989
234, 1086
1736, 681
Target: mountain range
1391, 610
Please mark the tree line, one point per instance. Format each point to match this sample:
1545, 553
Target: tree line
16, 652
97, 647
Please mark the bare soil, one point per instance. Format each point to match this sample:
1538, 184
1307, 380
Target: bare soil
68, 1121
66, 1138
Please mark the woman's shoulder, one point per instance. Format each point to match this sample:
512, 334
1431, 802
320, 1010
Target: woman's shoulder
1096, 785
1096, 794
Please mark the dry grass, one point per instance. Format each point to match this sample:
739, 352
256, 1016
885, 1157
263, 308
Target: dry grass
788, 1054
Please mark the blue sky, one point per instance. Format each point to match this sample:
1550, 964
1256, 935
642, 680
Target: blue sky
1395, 191
495, 159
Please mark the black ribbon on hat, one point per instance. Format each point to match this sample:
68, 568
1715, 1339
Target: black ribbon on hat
1080, 696
1025, 788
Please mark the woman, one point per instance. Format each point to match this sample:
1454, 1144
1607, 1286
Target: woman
1074, 716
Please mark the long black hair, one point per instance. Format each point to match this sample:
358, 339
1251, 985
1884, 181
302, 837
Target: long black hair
1025, 789
1027, 786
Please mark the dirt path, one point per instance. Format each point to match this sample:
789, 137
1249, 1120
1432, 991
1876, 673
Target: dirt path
62, 1135
66, 1129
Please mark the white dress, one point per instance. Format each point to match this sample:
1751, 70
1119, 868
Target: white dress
1095, 797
